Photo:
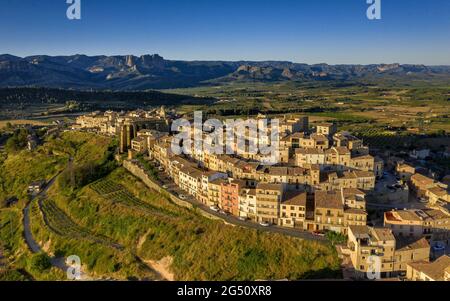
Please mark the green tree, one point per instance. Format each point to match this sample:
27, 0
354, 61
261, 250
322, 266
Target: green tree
40, 262
17, 141
335, 238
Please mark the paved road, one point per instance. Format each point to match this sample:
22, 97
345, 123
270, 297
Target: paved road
57, 262
175, 190
34, 247
32, 244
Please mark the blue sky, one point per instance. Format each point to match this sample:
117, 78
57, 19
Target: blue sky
313, 31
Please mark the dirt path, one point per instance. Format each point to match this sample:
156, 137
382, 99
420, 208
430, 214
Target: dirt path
162, 267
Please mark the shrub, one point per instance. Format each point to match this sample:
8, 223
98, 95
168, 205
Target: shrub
335, 238
40, 262
14, 275
17, 141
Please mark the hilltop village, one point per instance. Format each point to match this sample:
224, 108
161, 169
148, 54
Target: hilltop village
325, 180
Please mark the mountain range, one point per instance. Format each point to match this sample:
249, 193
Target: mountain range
128, 72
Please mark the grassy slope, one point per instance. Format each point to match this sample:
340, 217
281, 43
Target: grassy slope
201, 249
17, 170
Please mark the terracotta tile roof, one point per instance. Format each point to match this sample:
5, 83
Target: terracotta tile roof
403, 166
414, 215
342, 150
295, 198
436, 214
353, 191
309, 151
360, 231
349, 175
421, 179
435, 270
277, 171
363, 174
355, 211
269, 186
404, 244
295, 171
319, 137
407, 215
315, 167
362, 157
328, 200
441, 192
382, 234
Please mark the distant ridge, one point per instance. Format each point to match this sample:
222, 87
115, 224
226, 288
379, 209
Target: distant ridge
129, 72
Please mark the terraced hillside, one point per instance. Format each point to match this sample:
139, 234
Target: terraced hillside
118, 194
58, 222
122, 207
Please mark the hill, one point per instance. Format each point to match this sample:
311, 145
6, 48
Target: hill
128, 72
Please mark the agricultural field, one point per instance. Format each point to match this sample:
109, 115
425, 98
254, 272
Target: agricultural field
118, 194
59, 223
13, 122
418, 105
101, 258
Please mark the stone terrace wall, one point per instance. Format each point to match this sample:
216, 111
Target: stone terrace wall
140, 173
144, 177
